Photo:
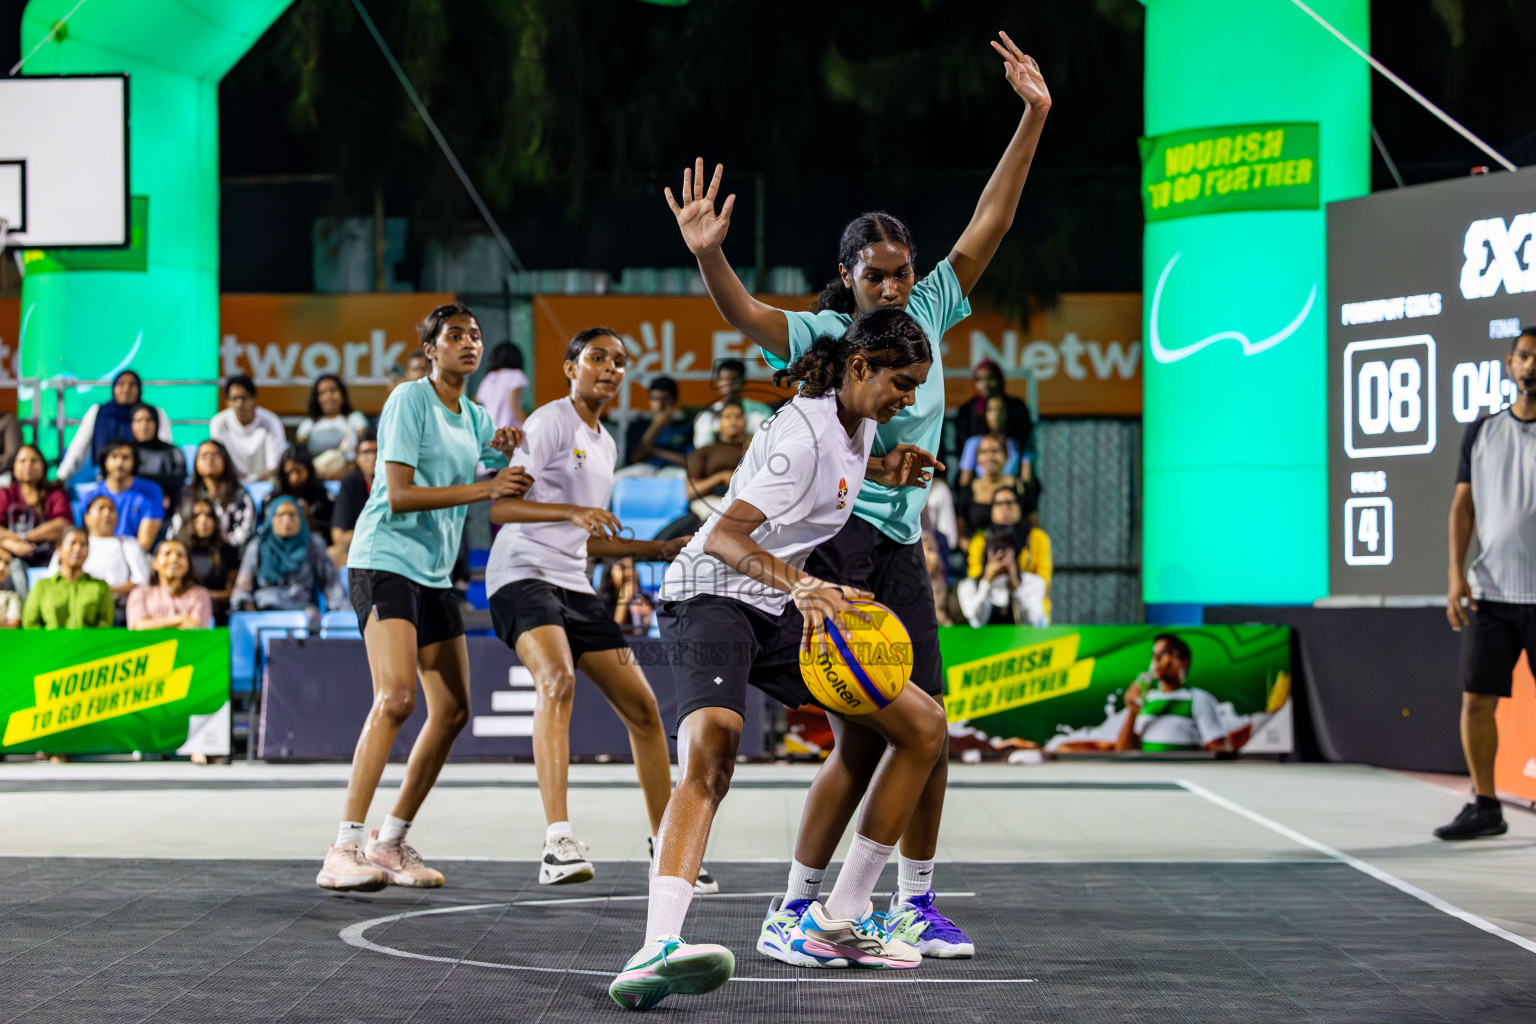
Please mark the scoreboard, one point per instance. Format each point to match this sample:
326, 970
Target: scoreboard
1427, 289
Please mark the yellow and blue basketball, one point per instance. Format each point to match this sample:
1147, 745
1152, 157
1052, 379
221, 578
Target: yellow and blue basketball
863, 666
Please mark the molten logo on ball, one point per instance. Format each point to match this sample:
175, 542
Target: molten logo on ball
861, 666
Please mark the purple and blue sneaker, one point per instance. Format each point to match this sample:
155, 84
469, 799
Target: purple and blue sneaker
917, 923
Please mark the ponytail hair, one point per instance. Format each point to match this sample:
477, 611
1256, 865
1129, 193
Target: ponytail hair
861, 233
886, 337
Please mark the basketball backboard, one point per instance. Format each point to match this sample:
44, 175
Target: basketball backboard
64, 161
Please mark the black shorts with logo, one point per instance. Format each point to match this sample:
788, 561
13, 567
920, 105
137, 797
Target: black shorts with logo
528, 604
434, 610
896, 573
1491, 644
719, 646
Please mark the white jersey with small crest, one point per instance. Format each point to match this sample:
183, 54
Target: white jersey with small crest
571, 463
802, 471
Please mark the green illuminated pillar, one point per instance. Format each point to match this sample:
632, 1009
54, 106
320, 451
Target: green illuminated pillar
1235, 422
85, 323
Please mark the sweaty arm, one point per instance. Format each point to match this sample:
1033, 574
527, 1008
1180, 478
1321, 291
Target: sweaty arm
406, 496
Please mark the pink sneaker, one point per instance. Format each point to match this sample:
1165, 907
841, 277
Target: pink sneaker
347, 870
401, 863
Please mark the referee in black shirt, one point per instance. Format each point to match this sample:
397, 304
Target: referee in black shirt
1495, 597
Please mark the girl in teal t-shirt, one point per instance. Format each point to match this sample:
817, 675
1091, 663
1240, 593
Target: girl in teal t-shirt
431, 438
880, 548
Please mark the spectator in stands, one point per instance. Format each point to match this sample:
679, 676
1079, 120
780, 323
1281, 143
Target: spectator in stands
160, 463
971, 417
106, 422
1016, 464
286, 567
214, 561
973, 502
253, 437
331, 429
501, 389
116, 559
13, 589
709, 472
941, 535
34, 511
10, 444
620, 592
299, 480
667, 437
355, 488
729, 380
71, 598
417, 366
140, 503
214, 480
1010, 568
170, 600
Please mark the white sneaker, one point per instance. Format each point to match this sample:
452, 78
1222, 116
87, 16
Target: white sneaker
861, 943
703, 885
565, 861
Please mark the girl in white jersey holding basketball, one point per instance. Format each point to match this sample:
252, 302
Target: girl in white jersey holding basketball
738, 589
880, 548
542, 604
430, 439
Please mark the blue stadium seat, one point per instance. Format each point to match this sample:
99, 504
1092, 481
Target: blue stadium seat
258, 490
246, 629
476, 595
190, 452
333, 487
650, 497
341, 622
33, 575
479, 557
651, 574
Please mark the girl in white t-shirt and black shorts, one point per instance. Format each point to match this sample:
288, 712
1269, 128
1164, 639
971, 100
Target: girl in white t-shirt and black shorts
738, 608
542, 603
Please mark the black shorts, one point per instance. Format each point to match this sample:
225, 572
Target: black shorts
1491, 644
718, 647
528, 604
897, 574
434, 610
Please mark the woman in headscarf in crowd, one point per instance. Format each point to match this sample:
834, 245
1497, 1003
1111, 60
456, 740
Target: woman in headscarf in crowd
286, 567
215, 481
159, 461
296, 478
214, 560
106, 422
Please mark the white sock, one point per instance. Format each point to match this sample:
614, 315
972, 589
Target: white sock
351, 830
668, 907
861, 870
393, 828
558, 828
804, 882
913, 877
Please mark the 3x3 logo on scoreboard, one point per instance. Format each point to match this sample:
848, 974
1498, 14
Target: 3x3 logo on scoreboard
1428, 286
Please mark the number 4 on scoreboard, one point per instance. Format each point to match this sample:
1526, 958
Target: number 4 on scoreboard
1368, 531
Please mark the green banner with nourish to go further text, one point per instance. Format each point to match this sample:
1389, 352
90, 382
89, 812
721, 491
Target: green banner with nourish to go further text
1238, 167
109, 691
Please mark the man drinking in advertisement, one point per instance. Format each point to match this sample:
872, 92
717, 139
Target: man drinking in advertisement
1170, 716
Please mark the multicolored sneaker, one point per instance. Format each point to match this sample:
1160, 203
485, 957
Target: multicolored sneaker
781, 921
703, 885
914, 921
347, 870
667, 966
399, 861
565, 860
861, 943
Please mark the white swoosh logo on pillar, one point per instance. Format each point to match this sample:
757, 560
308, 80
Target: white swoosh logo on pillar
1250, 347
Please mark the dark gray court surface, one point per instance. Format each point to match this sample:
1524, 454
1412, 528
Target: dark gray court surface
244, 941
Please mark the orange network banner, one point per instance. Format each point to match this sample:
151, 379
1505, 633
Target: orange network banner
1085, 354
1514, 770
285, 341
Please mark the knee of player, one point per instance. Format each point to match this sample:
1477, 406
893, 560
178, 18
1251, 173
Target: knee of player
558, 687
455, 718
1479, 705
397, 702
643, 714
708, 767
930, 731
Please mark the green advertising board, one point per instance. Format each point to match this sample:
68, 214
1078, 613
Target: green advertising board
1062, 688
1235, 382
1237, 167
112, 691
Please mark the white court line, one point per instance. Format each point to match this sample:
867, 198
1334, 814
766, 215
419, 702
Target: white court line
355, 935
1362, 866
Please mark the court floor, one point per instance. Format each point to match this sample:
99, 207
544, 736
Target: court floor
1094, 891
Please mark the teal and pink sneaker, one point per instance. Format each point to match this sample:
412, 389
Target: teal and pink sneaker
779, 925
669, 965
861, 943
915, 921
